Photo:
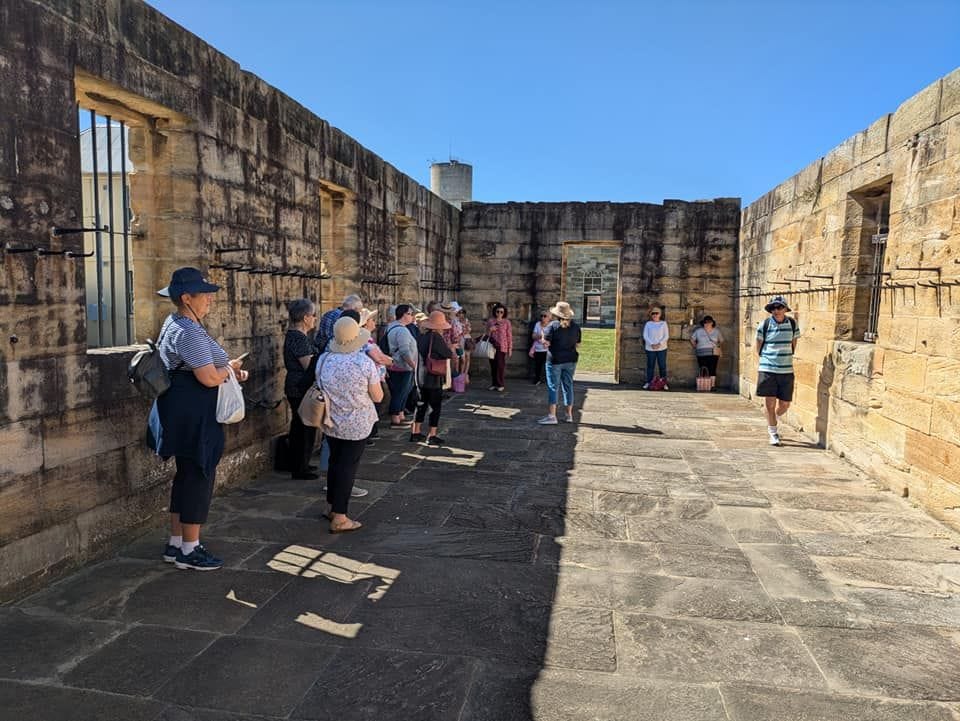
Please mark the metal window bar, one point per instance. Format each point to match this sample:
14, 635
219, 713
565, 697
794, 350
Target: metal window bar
879, 241
108, 254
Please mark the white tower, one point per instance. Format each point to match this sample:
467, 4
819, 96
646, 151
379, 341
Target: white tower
452, 181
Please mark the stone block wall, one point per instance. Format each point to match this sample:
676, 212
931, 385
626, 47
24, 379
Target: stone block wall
891, 406
223, 160
680, 255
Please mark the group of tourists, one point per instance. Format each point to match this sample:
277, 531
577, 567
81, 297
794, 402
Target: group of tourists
417, 355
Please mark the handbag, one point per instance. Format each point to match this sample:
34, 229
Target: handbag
313, 407
658, 383
231, 408
436, 366
703, 380
485, 348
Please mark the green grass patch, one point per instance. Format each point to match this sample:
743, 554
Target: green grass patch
597, 350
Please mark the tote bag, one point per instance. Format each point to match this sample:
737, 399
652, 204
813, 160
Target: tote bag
485, 348
703, 380
231, 408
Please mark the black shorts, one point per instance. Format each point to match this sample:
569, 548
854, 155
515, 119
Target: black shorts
779, 385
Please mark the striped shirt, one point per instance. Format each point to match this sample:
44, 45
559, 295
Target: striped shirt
777, 353
185, 345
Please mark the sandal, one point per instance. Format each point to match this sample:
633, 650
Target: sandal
346, 527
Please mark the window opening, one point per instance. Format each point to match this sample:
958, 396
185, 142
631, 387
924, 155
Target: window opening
592, 310
593, 282
878, 241
105, 168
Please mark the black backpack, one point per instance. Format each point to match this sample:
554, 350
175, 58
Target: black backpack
766, 327
384, 341
147, 372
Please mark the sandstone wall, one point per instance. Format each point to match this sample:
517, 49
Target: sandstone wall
681, 255
223, 160
891, 406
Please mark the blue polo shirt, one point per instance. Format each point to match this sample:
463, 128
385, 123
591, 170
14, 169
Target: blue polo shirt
777, 353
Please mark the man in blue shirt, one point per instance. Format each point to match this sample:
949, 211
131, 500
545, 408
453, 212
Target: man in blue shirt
776, 343
325, 326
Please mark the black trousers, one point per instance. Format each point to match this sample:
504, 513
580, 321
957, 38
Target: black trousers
709, 362
413, 399
302, 439
192, 491
434, 398
341, 470
539, 367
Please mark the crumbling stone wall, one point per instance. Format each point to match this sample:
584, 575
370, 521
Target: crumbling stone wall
891, 406
223, 161
681, 255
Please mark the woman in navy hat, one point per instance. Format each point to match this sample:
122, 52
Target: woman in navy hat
188, 414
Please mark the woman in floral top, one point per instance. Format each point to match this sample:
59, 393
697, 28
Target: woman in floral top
501, 335
350, 383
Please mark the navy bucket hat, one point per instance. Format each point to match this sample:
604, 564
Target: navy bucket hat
187, 280
776, 300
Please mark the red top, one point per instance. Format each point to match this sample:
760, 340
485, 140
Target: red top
501, 334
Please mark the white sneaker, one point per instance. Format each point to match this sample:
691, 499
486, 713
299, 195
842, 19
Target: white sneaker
492, 388
548, 421
775, 439
646, 386
666, 387
568, 419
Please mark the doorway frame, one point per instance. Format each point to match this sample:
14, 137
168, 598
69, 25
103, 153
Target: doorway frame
566, 245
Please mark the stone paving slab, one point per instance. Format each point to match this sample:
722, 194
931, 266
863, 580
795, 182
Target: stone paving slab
642, 564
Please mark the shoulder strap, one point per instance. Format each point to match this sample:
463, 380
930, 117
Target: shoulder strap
320, 373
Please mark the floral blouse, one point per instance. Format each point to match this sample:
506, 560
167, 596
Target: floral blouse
502, 334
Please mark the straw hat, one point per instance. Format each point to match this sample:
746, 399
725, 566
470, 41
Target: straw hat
348, 336
448, 307
562, 310
436, 321
420, 317
365, 315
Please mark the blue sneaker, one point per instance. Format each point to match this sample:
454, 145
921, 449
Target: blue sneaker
170, 553
199, 560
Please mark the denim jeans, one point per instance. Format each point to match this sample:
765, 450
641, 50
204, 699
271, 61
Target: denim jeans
658, 357
399, 383
560, 375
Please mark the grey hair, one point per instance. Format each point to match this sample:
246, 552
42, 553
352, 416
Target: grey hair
391, 313
352, 302
300, 309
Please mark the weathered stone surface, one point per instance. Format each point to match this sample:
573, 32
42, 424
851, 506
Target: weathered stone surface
364, 684
140, 661
222, 677
703, 561
756, 703
944, 577
65, 704
787, 571
710, 652
753, 525
909, 661
35, 647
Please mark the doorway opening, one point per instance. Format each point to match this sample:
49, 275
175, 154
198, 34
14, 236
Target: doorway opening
591, 284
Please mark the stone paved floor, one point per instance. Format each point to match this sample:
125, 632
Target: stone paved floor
644, 564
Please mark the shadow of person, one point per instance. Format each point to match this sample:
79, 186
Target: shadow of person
824, 386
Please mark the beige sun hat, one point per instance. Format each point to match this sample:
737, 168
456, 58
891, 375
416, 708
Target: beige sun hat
348, 336
365, 315
420, 317
437, 321
562, 310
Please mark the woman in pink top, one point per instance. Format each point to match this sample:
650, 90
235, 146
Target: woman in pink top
501, 335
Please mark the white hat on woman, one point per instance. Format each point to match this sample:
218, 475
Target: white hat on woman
348, 336
562, 310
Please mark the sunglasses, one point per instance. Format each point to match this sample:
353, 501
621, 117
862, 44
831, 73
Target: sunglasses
500, 311
655, 313
779, 307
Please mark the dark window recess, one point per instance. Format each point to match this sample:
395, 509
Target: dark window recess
873, 206
593, 282
105, 170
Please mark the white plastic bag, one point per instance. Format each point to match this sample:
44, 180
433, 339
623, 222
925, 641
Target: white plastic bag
231, 407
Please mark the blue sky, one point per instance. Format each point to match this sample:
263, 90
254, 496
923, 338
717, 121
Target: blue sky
605, 100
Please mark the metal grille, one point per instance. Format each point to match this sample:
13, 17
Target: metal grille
106, 207
879, 242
